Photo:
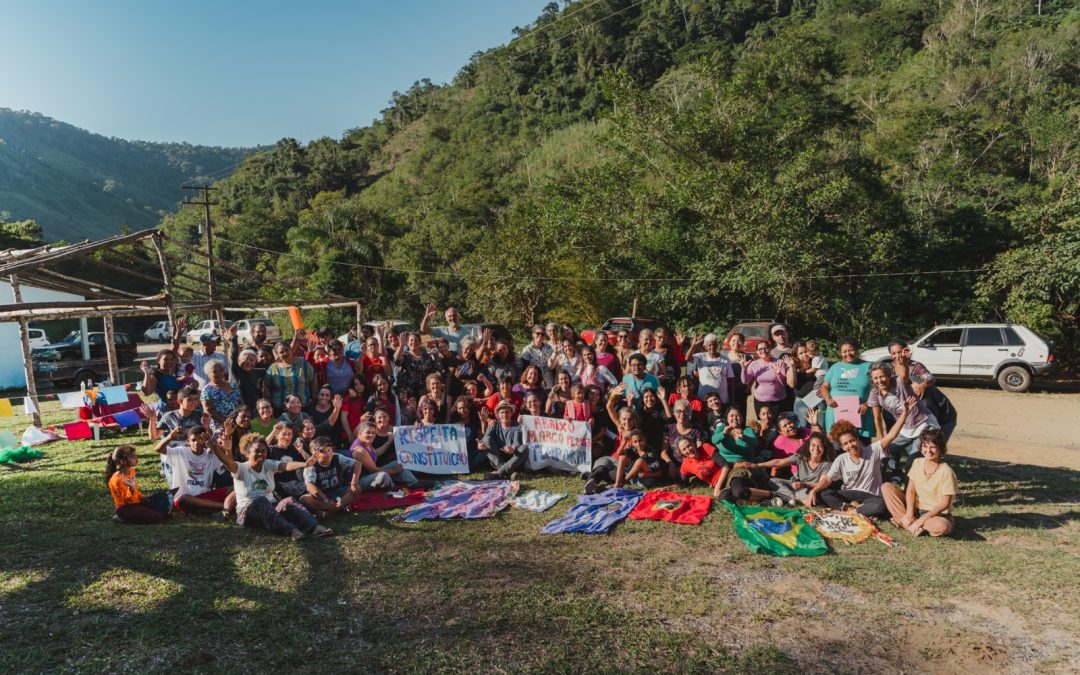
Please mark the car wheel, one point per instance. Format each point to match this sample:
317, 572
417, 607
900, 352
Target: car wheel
1015, 379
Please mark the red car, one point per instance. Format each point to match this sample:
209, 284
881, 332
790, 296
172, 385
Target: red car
754, 330
614, 325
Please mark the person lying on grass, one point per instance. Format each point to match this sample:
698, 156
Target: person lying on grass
697, 463
811, 461
927, 504
256, 505
131, 506
332, 482
193, 471
859, 468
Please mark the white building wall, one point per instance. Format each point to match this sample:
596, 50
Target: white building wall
12, 374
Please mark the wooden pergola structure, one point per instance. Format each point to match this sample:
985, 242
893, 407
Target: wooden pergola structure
36, 267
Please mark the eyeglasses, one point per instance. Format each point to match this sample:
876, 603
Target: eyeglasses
623, 336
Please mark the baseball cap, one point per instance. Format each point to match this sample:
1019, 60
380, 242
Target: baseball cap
209, 337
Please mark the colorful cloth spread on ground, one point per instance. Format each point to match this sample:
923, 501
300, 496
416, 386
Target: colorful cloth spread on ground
463, 499
850, 528
780, 532
537, 500
21, 454
376, 501
596, 514
672, 507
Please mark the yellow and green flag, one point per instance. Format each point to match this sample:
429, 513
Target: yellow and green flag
779, 532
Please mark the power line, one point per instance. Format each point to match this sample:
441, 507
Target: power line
539, 29
496, 275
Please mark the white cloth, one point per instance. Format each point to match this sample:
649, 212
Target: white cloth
537, 501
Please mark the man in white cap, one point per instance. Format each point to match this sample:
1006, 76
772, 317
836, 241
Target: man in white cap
781, 338
206, 354
711, 367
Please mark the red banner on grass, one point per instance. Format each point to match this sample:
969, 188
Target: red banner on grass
673, 507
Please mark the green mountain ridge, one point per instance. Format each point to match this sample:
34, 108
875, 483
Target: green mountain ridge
77, 184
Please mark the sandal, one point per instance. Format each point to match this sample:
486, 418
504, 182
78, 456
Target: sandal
321, 531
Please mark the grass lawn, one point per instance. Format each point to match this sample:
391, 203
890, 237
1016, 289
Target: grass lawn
78, 593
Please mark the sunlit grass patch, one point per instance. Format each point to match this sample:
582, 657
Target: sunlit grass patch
123, 590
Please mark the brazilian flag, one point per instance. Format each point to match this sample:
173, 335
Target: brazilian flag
780, 532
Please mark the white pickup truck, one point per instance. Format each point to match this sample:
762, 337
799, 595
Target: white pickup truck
1008, 353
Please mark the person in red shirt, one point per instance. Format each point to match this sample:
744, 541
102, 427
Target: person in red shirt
505, 392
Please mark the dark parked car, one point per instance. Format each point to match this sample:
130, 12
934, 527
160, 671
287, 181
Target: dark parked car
63, 364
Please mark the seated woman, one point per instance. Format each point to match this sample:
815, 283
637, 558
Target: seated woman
374, 476
859, 469
686, 390
383, 398
530, 382
697, 462
533, 406
811, 462
927, 504
736, 447
887, 396
683, 427
790, 438
256, 504
326, 412
558, 395
436, 393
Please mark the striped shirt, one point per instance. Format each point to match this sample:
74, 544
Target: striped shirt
292, 380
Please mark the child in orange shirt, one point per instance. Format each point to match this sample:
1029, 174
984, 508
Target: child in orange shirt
131, 506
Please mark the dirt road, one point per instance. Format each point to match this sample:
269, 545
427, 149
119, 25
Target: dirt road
1032, 428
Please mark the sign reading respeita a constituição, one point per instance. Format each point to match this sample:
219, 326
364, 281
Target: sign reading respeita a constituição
432, 448
558, 444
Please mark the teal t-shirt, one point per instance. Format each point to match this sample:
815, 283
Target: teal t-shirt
736, 449
850, 379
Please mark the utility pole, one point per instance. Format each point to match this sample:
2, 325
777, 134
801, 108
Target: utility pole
206, 204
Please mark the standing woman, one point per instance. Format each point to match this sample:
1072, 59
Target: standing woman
436, 393
604, 356
739, 360
589, 372
850, 376
623, 348
775, 379
413, 366
219, 398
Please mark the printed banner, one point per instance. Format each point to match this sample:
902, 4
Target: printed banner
595, 514
462, 499
673, 507
779, 532
432, 448
557, 444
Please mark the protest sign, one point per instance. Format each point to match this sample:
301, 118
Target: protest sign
557, 444
432, 448
847, 408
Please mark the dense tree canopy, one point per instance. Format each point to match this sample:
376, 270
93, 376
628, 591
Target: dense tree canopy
710, 159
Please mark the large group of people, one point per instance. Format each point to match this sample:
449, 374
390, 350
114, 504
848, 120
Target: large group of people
283, 436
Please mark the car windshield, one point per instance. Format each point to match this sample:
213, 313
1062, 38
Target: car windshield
754, 331
618, 325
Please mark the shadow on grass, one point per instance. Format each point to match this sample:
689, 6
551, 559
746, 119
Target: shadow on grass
990, 483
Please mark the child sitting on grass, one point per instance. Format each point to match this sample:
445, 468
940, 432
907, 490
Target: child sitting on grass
256, 505
635, 463
131, 506
332, 482
193, 471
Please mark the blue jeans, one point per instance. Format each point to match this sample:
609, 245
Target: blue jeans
281, 518
383, 480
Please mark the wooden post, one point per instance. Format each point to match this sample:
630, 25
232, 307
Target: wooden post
28, 361
166, 276
110, 351
359, 321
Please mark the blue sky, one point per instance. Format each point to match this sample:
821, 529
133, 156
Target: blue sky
236, 72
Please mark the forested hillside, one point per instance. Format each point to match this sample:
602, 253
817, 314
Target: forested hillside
712, 159
80, 185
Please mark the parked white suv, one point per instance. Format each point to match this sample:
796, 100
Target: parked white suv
37, 337
1008, 353
209, 326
